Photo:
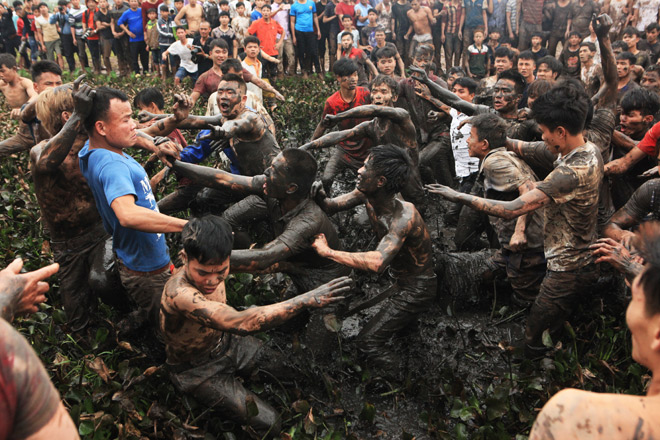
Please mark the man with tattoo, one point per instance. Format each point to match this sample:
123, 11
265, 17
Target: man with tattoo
125, 201
79, 243
505, 177
385, 125
29, 403
617, 415
404, 248
349, 153
570, 197
207, 341
281, 197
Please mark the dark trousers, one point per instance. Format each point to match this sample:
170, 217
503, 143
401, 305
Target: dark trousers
95, 51
307, 51
82, 53
452, 50
139, 50
553, 41
327, 38
68, 49
123, 53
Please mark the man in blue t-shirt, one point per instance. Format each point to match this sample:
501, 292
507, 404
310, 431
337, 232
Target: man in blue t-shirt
124, 199
475, 16
131, 22
306, 34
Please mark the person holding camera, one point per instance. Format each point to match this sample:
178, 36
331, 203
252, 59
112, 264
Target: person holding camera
203, 40
61, 19
90, 35
184, 48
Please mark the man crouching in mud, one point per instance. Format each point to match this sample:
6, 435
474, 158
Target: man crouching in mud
582, 414
206, 339
570, 197
404, 247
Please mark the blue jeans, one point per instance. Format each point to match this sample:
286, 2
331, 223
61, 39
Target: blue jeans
181, 73
34, 48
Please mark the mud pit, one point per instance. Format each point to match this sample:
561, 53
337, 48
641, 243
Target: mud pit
458, 378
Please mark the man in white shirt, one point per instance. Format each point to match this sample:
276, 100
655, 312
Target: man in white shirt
182, 47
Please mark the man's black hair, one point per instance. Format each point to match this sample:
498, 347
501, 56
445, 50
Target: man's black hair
386, 52
147, 96
393, 163
653, 68
7, 60
491, 128
344, 67
468, 83
223, 14
538, 88
505, 52
527, 55
46, 66
219, 42
642, 100
232, 77
223, 2
343, 34
388, 81
208, 239
231, 64
516, 77
589, 45
537, 34
267, 6
164, 8
647, 240
239, 4
301, 169
553, 63
101, 105
565, 105
17, 4
620, 44
652, 27
573, 34
251, 39
630, 30
627, 56
372, 10
456, 70
42, 4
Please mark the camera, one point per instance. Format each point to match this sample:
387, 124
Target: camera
87, 33
195, 51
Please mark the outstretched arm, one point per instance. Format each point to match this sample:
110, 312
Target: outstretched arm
181, 109
214, 178
220, 316
21, 293
528, 202
370, 111
257, 260
373, 261
266, 86
623, 164
617, 228
335, 137
443, 94
340, 203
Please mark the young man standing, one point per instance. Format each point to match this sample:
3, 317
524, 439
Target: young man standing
570, 196
350, 153
48, 36
280, 12
306, 34
181, 48
270, 34
131, 23
125, 201
75, 19
624, 63
192, 14
102, 21
121, 42
421, 19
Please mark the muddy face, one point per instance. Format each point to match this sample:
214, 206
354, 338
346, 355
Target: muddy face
230, 99
634, 124
206, 277
651, 81
502, 64
276, 183
505, 98
381, 94
348, 82
622, 68
386, 66
367, 181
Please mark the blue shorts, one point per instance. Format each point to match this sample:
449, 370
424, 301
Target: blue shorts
182, 73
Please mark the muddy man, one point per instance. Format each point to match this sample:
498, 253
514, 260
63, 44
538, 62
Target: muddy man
404, 248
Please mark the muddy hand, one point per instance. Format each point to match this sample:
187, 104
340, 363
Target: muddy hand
653, 172
320, 245
610, 251
601, 25
279, 96
217, 133
318, 192
24, 291
442, 190
433, 116
168, 152
518, 241
144, 116
418, 74
330, 121
83, 97
329, 292
182, 106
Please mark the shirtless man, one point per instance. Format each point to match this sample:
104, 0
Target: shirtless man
404, 248
617, 416
193, 13
18, 91
570, 196
207, 341
421, 19
31, 405
389, 125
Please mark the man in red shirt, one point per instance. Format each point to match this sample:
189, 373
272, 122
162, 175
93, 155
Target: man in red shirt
350, 154
270, 35
345, 7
